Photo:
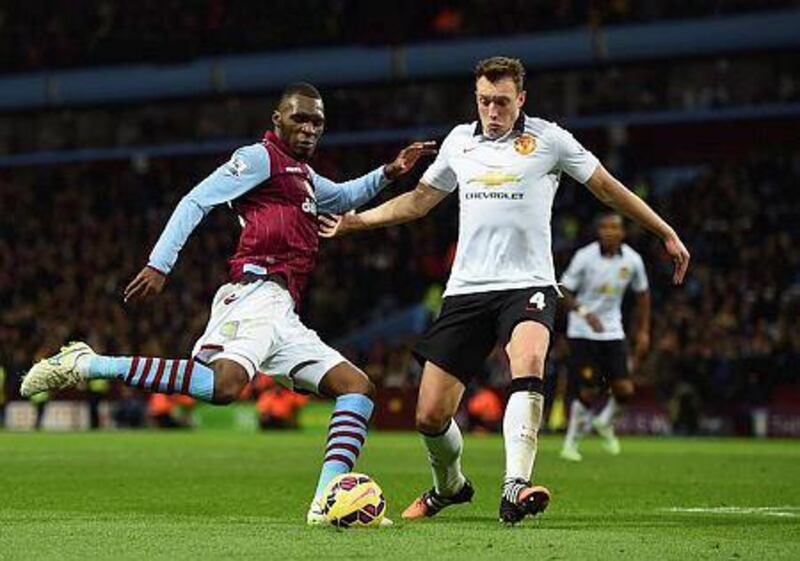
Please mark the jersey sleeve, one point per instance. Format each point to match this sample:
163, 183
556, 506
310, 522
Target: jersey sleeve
573, 276
338, 198
247, 167
573, 159
639, 282
439, 174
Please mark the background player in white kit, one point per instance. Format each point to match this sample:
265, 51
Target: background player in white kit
507, 167
595, 281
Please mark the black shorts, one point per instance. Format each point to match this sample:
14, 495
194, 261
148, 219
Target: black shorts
593, 364
470, 325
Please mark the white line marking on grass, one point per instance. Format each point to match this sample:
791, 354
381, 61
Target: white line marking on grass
783, 511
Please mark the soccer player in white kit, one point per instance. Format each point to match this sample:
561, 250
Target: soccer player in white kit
502, 287
596, 280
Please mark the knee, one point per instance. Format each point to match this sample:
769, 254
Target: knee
431, 421
345, 379
363, 386
229, 381
526, 358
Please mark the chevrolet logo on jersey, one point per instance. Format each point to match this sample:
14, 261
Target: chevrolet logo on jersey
495, 179
607, 289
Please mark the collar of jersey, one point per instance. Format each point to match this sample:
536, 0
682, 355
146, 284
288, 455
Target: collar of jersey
519, 127
273, 138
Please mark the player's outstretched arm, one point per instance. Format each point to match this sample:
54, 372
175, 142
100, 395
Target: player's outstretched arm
613, 193
338, 198
248, 167
403, 208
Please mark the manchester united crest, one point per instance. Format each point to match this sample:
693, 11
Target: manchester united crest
525, 144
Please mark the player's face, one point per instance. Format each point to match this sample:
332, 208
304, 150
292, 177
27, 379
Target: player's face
299, 122
499, 104
611, 232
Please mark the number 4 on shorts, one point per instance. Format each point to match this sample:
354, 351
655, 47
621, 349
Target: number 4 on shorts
537, 300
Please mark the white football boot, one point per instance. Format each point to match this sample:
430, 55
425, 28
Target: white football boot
610, 440
570, 453
316, 515
57, 372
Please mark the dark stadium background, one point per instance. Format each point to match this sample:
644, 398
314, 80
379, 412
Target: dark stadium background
110, 111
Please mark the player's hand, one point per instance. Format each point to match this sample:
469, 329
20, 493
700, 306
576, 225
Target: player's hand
642, 344
594, 322
333, 225
147, 283
408, 157
680, 256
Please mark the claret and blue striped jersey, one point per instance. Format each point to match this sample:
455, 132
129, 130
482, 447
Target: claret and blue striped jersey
277, 198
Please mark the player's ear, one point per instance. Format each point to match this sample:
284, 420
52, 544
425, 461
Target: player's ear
523, 95
276, 118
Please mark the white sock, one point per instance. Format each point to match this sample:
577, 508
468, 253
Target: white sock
520, 431
444, 455
578, 415
606, 416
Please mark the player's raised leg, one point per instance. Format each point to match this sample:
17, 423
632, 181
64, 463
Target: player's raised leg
439, 396
523, 417
219, 383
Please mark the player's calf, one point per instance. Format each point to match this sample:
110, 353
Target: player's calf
347, 430
521, 424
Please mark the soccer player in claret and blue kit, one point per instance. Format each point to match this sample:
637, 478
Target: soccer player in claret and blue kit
254, 325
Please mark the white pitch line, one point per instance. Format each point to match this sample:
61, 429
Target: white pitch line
782, 511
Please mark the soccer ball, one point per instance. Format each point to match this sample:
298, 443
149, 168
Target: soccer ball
354, 500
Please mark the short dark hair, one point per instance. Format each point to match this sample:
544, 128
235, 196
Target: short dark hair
299, 88
498, 67
608, 214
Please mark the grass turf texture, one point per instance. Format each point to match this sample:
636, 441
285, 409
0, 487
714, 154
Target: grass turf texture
215, 494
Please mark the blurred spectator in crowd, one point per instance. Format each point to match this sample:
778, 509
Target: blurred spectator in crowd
485, 410
96, 389
129, 411
277, 406
170, 411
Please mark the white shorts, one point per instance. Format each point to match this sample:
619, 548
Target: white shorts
255, 325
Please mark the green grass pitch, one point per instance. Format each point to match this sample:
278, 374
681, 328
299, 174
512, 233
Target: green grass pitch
215, 494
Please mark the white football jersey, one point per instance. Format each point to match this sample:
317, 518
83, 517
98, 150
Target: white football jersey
506, 190
599, 283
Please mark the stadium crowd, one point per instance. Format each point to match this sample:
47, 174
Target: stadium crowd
678, 85
88, 32
72, 236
